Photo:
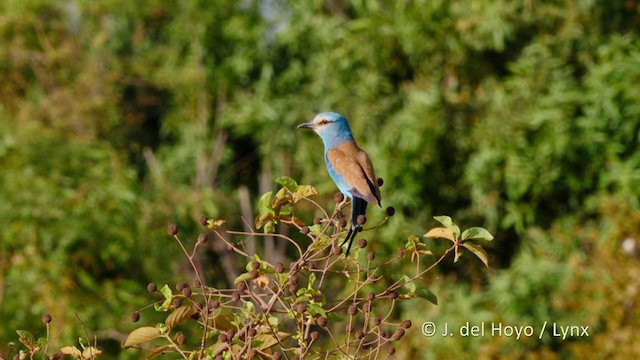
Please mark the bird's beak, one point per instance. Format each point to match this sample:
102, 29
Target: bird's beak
307, 125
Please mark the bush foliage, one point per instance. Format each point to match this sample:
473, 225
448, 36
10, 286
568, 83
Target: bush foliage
118, 117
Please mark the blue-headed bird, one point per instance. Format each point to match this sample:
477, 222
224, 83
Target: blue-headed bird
348, 165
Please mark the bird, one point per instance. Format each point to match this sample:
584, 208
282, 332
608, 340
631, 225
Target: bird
348, 165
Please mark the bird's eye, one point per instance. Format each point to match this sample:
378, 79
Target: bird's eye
323, 122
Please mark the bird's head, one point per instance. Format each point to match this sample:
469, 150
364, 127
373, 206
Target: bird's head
332, 127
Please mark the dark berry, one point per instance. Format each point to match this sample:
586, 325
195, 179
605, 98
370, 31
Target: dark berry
337, 250
279, 268
46, 318
377, 321
204, 221
406, 324
181, 285
338, 197
213, 304
255, 265
391, 211
398, 334
223, 337
315, 335
322, 321
371, 256
172, 229
241, 286
254, 274
342, 223
353, 309
371, 296
203, 238
304, 230
176, 302
302, 308
391, 350
380, 182
393, 295
186, 291
361, 219
317, 221
135, 316
181, 339
197, 284
362, 243
359, 334
152, 287
252, 332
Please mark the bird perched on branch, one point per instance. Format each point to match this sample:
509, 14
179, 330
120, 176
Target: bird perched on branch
348, 165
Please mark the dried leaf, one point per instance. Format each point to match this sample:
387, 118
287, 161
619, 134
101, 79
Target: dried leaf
179, 315
304, 191
159, 350
440, 232
71, 350
90, 353
141, 335
262, 281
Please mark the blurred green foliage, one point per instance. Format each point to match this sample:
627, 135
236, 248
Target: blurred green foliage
118, 117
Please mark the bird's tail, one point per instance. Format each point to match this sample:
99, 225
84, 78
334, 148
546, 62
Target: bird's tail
358, 207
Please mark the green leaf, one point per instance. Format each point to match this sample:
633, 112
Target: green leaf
316, 309
257, 259
312, 279
42, 342
428, 295
478, 251
287, 182
26, 338
264, 204
242, 278
410, 285
265, 341
334, 317
477, 233
168, 296
178, 316
286, 210
273, 321
249, 307
141, 335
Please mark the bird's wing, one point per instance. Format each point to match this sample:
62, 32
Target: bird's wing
354, 167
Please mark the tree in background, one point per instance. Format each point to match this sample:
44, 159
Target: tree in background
120, 116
